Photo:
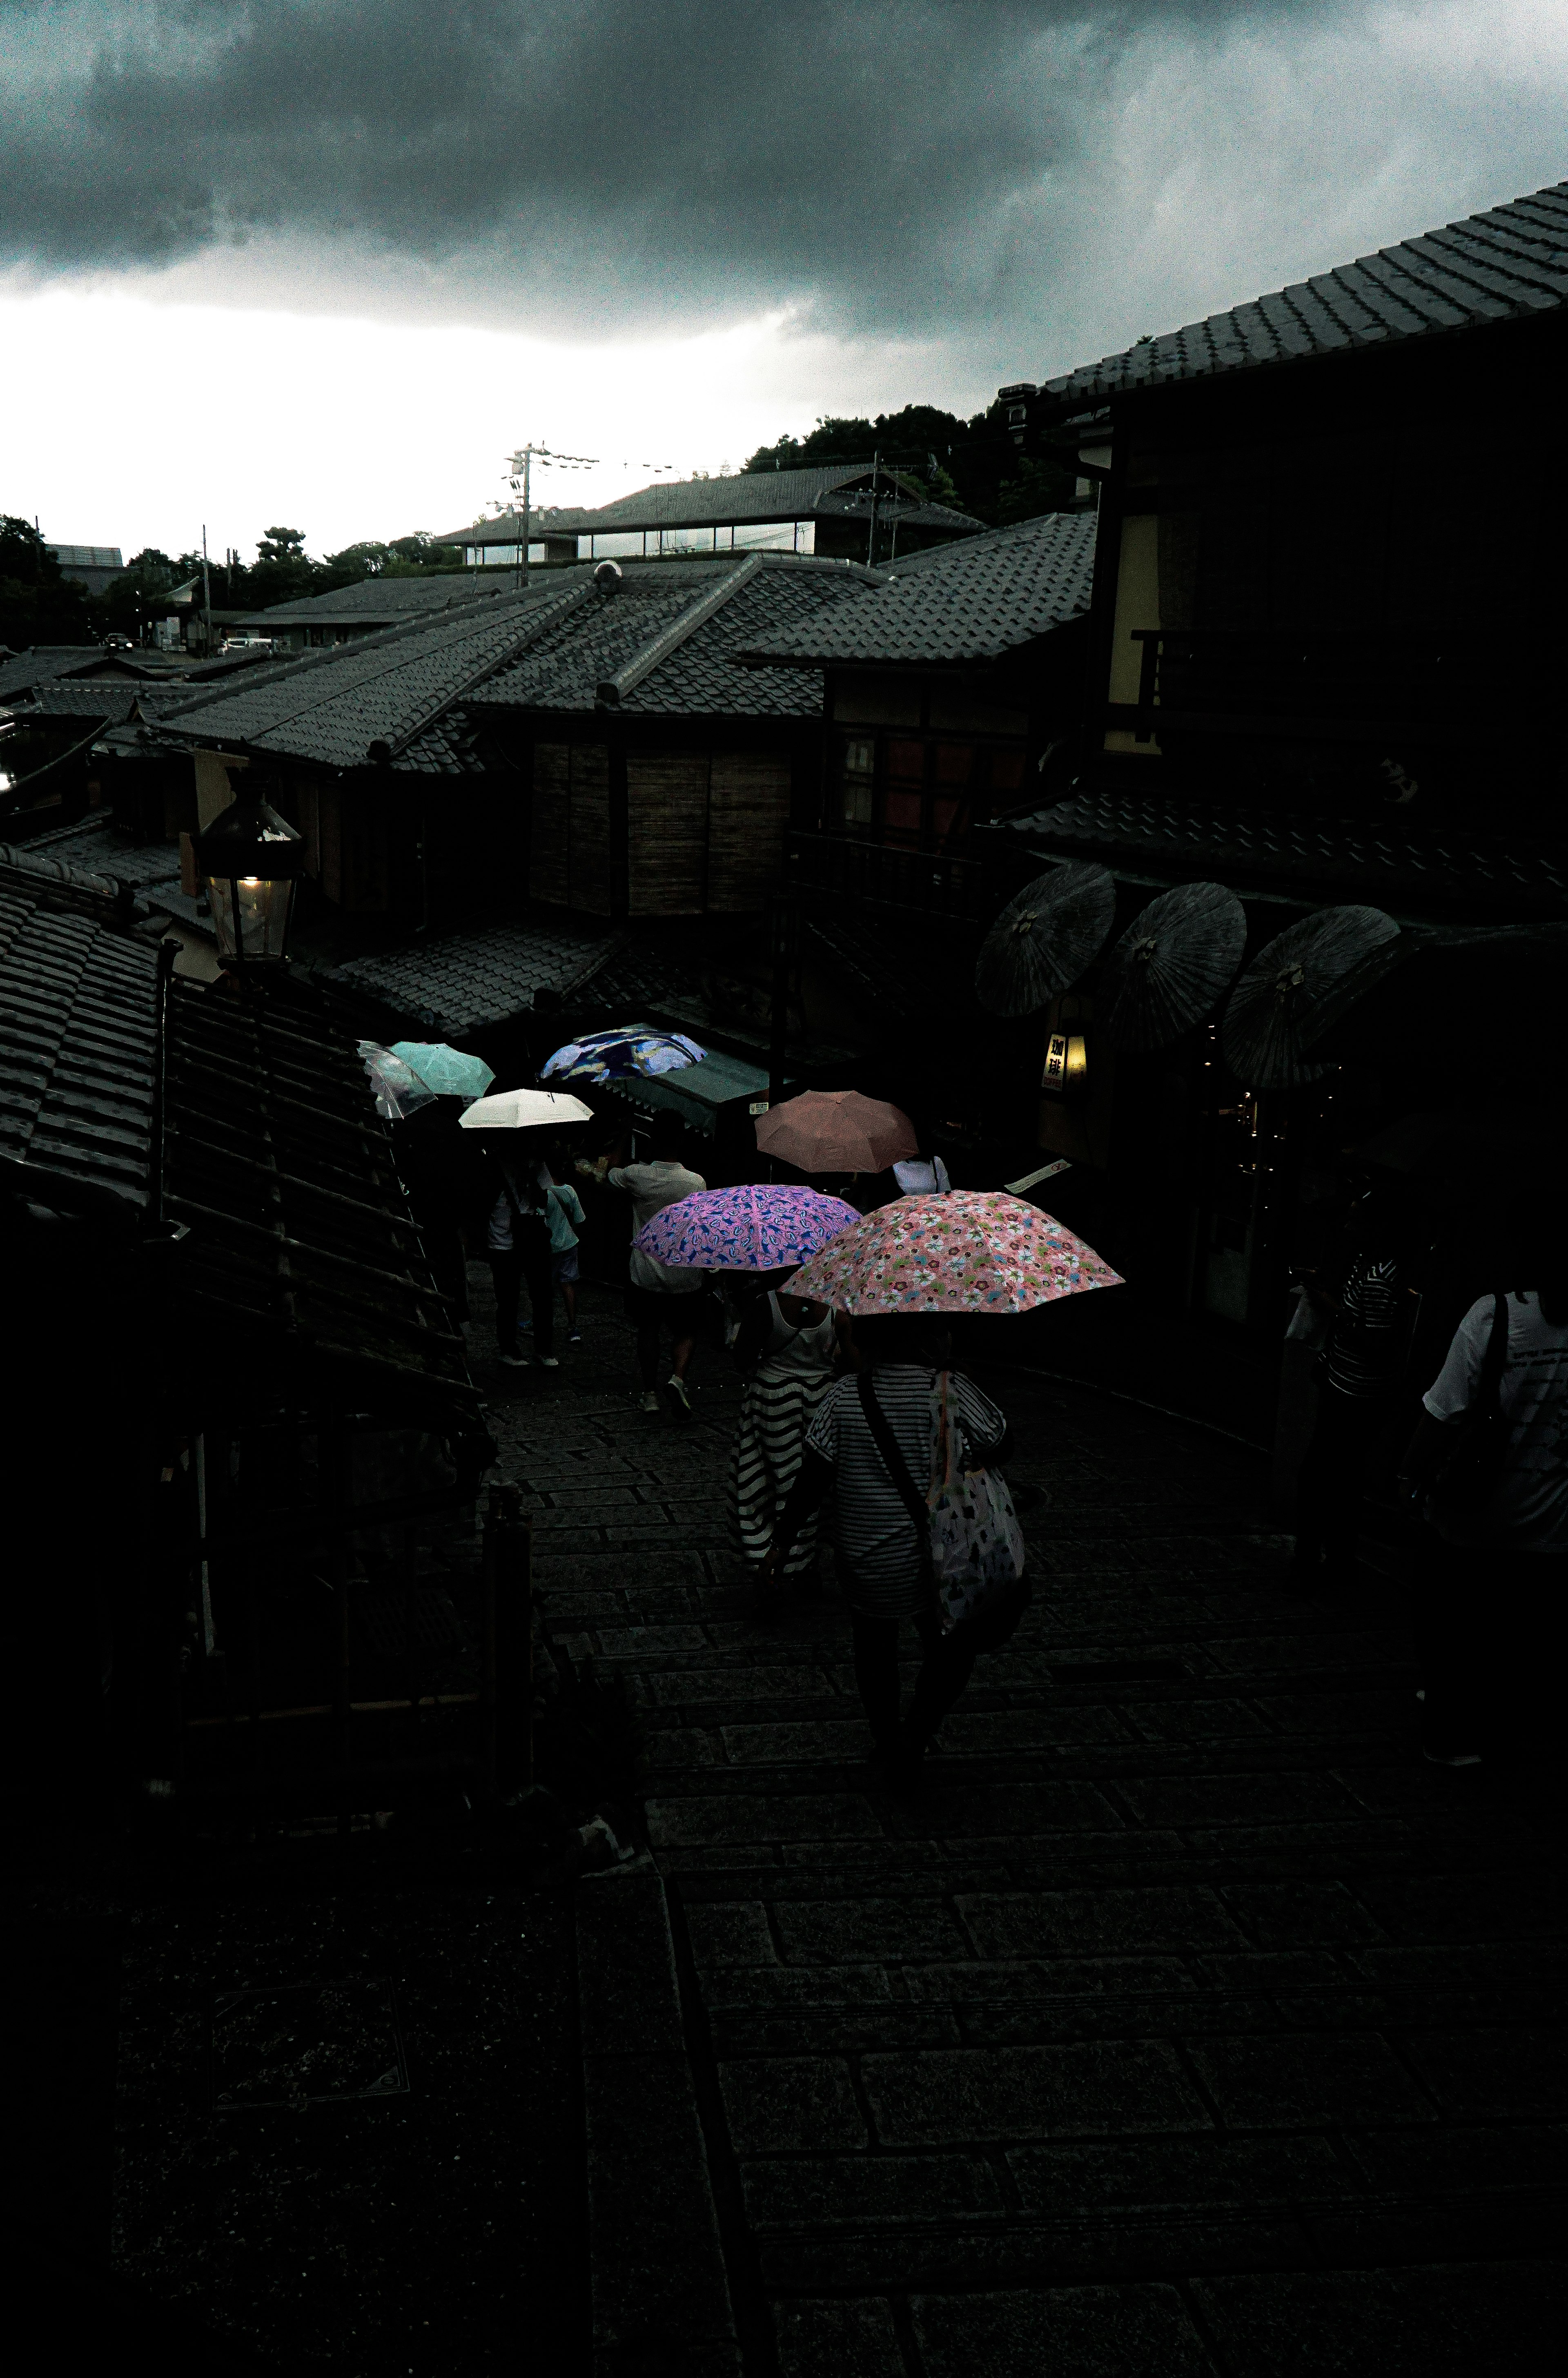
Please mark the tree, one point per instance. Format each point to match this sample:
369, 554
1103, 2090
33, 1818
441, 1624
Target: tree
972, 465
404, 557
1038, 487
282, 569
39, 605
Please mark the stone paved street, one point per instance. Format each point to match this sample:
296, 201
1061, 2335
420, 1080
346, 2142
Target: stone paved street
1189, 2023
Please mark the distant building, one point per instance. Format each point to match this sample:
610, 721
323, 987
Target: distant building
92, 566
365, 609
840, 513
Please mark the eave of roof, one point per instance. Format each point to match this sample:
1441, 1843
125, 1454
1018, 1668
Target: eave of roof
1509, 263
1449, 872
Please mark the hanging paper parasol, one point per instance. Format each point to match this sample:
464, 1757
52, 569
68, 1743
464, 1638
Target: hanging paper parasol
1045, 939
972, 1251
751, 1228
620, 1054
1307, 978
1170, 966
524, 1110
836, 1131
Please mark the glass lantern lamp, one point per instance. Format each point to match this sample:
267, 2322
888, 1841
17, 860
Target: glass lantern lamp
1067, 1052
252, 860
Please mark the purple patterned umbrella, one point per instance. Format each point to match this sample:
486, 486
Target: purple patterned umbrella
754, 1227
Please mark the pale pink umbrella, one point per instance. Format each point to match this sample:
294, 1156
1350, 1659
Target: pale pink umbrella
969, 1251
836, 1131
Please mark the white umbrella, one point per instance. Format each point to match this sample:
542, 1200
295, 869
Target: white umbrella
523, 1110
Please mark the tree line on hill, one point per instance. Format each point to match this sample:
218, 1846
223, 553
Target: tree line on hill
972, 465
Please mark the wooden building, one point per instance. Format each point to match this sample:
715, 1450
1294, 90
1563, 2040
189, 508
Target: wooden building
272, 1439
947, 689
664, 778
1316, 650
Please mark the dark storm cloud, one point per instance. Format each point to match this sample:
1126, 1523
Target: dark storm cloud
581, 159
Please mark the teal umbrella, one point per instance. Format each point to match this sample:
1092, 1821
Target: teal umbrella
411, 1072
451, 1073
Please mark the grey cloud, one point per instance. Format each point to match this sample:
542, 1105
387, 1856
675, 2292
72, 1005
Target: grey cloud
890, 165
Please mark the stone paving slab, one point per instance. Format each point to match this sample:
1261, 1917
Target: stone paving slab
1187, 2023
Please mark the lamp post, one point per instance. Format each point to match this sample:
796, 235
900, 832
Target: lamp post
252, 860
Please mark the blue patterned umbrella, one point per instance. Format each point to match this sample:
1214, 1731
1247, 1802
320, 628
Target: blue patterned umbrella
620, 1054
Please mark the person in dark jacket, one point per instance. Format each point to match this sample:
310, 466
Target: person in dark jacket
1372, 1312
517, 1184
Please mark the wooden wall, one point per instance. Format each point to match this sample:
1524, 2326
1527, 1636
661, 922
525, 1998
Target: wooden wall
700, 833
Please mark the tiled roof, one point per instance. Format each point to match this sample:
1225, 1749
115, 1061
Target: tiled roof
970, 601
376, 599
77, 1028
99, 848
464, 981
756, 496
1447, 869
1505, 265
331, 707
608, 636
112, 698
21, 671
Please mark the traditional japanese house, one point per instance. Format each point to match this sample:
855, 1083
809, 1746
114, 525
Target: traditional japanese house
947, 688
664, 777
1315, 655
248, 1439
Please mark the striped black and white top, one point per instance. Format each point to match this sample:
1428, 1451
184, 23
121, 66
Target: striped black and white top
1366, 1351
874, 1540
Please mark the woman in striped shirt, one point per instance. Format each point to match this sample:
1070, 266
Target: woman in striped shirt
883, 1565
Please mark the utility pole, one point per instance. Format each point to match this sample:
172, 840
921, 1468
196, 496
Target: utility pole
871, 540
518, 467
524, 457
205, 598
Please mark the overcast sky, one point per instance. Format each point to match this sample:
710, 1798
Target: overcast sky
326, 261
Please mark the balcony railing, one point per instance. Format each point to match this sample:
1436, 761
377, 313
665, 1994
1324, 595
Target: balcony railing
1341, 686
843, 867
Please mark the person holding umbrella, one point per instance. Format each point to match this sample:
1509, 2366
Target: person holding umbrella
512, 1124
661, 1296
903, 1449
758, 1235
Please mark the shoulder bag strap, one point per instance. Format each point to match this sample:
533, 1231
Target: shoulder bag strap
896, 1467
1496, 1358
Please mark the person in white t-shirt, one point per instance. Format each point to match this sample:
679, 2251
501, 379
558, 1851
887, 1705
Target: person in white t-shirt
921, 1176
661, 1297
1499, 1570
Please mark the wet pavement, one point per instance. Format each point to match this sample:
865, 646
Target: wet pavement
1188, 2022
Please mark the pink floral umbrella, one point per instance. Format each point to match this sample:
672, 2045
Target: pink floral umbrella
754, 1227
970, 1250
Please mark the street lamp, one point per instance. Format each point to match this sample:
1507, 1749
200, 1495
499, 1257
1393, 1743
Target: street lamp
252, 860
